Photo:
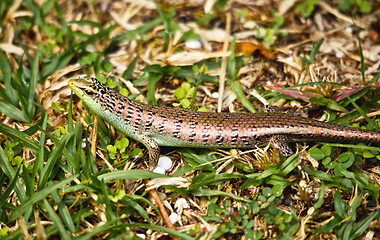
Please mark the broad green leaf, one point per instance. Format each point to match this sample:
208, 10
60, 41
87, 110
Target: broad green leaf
316, 153
326, 149
277, 190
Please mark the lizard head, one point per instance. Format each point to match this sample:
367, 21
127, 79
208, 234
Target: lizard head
90, 90
96, 95
85, 86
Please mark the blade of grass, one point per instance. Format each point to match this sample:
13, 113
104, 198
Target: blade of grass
289, 164
231, 61
363, 225
66, 29
236, 88
87, 162
339, 204
73, 162
110, 212
136, 174
38, 16
362, 64
10, 172
38, 163
210, 192
5, 195
138, 208
13, 112
374, 79
369, 120
153, 79
37, 126
321, 193
313, 53
19, 136
128, 72
233, 72
198, 81
28, 204
108, 226
6, 70
315, 50
134, 34
56, 220
30, 108
74, 145
212, 179
56, 63
64, 212
51, 162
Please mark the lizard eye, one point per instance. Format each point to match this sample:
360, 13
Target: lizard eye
89, 92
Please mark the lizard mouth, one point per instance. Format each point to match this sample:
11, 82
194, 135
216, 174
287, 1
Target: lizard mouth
80, 84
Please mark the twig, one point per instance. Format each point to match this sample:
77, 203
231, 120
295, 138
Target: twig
165, 215
224, 62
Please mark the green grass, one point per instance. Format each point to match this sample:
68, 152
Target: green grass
53, 185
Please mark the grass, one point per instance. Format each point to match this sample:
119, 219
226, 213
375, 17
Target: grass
67, 174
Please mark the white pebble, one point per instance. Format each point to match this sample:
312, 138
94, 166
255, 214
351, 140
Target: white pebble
165, 163
90, 48
141, 235
215, 95
193, 44
340, 54
349, 30
159, 170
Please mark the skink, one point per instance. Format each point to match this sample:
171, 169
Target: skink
163, 126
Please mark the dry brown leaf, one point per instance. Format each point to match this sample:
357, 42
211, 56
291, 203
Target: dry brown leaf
12, 49
248, 49
175, 181
189, 58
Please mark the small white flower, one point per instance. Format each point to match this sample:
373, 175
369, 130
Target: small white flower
174, 217
181, 204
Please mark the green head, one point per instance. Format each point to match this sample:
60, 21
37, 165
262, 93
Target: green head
96, 95
86, 89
